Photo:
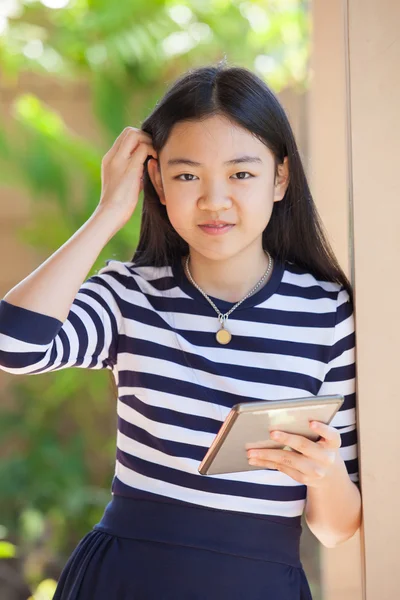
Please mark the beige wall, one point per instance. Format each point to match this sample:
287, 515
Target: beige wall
329, 175
355, 147
374, 59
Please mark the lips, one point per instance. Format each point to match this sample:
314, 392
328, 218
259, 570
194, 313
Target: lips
218, 229
215, 224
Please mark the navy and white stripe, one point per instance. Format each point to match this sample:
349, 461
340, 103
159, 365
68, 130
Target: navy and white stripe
156, 333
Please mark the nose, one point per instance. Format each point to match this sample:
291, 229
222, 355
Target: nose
214, 198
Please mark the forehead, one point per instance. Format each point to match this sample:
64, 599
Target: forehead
213, 137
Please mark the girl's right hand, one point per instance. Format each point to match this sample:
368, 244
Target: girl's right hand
121, 173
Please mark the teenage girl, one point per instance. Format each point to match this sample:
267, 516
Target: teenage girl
232, 295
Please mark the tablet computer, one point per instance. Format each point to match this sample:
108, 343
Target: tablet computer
249, 424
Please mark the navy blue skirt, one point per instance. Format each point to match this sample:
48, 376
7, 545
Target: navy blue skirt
146, 550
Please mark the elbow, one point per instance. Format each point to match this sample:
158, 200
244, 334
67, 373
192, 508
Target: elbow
331, 537
334, 539
331, 541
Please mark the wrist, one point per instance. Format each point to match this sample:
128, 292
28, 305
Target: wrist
107, 219
334, 476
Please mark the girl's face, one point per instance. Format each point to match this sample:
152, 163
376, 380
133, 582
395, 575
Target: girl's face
216, 170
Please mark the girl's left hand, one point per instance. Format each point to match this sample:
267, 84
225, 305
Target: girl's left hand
313, 461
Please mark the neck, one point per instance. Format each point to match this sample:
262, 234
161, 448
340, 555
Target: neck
229, 279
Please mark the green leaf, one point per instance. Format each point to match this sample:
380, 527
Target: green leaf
45, 590
32, 525
7, 550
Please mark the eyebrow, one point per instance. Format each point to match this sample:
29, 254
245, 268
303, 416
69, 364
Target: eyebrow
233, 161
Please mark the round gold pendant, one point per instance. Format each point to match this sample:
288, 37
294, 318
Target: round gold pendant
223, 336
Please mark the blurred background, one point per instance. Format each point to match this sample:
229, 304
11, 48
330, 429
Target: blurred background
73, 74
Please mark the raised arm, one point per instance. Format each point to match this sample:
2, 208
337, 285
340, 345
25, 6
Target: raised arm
51, 319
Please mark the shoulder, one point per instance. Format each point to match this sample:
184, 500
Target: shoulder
126, 272
301, 282
329, 301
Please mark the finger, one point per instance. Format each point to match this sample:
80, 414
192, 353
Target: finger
283, 458
139, 155
131, 142
306, 447
330, 435
117, 144
304, 478
264, 464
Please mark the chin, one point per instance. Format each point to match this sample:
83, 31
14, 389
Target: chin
214, 255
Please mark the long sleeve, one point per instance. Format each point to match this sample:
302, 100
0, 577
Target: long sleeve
340, 378
32, 343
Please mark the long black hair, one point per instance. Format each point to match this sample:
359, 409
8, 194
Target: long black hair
295, 232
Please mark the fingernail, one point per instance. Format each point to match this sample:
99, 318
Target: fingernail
276, 435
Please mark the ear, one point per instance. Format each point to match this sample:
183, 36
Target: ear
153, 168
281, 180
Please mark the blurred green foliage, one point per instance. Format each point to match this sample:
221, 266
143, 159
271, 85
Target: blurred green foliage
58, 439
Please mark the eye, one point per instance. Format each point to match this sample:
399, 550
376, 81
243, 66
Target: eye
244, 173
178, 177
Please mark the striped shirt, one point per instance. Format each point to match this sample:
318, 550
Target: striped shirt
156, 333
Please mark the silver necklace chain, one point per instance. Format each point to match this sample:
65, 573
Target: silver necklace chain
223, 317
